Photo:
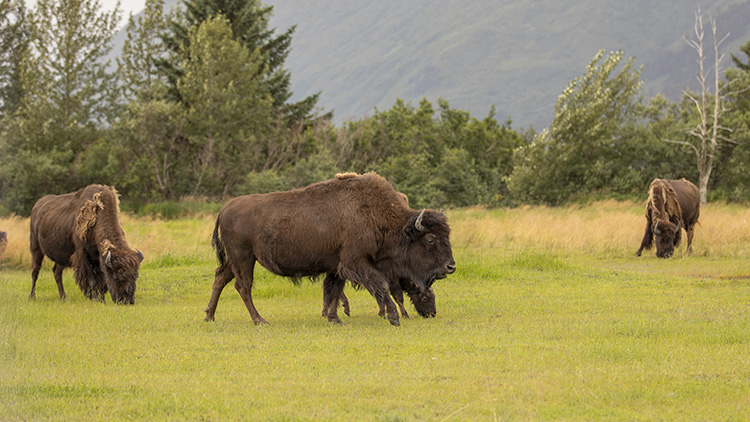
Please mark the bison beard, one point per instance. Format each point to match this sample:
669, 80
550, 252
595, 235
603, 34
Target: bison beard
672, 205
354, 228
82, 229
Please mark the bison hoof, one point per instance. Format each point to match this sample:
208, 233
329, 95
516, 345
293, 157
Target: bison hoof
394, 322
208, 318
346, 311
261, 321
336, 321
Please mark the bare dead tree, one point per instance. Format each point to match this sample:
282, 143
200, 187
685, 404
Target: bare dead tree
708, 134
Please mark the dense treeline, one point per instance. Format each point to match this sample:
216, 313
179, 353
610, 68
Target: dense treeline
198, 106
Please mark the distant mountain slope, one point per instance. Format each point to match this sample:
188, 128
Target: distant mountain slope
516, 54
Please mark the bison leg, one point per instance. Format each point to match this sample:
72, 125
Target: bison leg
366, 275
223, 276
398, 296
648, 239
328, 284
36, 264
333, 290
345, 303
690, 231
58, 271
244, 284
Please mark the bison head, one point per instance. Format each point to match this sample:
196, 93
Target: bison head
666, 235
428, 255
121, 273
424, 302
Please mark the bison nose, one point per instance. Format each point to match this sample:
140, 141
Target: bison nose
451, 268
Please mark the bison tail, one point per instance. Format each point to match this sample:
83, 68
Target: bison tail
221, 254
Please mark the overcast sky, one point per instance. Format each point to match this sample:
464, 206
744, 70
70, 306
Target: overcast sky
127, 6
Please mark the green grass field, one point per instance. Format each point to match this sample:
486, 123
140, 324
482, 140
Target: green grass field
548, 317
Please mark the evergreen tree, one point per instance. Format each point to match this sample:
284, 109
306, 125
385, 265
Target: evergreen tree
226, 106
249, 22
66, 99
14, 35
142, 47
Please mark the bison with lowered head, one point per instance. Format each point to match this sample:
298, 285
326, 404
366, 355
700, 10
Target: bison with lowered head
355, 228
424, 302
82, 230
672, 205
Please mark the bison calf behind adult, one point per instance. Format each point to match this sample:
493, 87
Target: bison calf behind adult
352, 228
82, 229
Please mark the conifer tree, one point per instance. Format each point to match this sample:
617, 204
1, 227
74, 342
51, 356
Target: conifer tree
249, 22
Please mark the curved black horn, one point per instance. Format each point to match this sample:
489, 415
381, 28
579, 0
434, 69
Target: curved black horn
418, 224
108, 259
656, 227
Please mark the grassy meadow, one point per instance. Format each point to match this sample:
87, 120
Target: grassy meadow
548, 317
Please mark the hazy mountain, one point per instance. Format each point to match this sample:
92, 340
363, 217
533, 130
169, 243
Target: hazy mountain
517, 55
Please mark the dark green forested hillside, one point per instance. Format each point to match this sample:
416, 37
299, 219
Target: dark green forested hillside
518, 55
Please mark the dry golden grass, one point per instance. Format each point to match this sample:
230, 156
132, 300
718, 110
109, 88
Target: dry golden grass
604, 228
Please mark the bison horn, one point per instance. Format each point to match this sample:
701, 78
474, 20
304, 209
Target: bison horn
678, 226
140, 254
418, 224
656, 227
108, 259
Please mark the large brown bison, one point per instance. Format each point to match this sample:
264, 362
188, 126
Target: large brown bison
82, 229
672, 205
424, 302
355, 228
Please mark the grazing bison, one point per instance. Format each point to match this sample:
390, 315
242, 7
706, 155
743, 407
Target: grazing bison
424, 302
672, 205
3, 242
82, 229
355, 228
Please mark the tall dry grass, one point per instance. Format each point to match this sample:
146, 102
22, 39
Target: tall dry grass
605, 228
602, 228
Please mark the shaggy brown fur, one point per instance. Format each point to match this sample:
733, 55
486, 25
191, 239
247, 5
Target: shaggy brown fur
672, 205
424, 302
82, 229
352, 228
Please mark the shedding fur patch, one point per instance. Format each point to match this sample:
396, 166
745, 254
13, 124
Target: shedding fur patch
350, 175
105, 246
87, 216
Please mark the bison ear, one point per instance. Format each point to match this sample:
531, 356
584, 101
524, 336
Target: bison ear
411, 232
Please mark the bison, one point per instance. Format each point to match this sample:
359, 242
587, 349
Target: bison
424, 302
82, 230
672, 205
355, 228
